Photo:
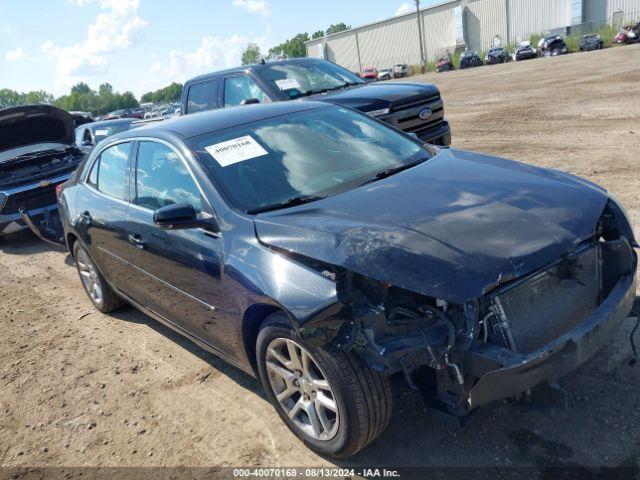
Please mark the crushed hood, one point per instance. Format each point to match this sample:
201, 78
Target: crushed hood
450, 228
32, 124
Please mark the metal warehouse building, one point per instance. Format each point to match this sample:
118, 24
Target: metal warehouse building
456, 23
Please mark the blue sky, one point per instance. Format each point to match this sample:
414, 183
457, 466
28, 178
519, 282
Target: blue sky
142, 45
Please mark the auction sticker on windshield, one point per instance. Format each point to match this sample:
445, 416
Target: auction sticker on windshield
287, 84
236, 150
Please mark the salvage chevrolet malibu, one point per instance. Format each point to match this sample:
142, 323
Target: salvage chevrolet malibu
37, 154
323, 251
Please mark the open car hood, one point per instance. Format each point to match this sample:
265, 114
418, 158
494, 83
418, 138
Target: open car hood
451, 228
32, 124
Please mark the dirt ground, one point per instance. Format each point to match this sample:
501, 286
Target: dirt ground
78, 388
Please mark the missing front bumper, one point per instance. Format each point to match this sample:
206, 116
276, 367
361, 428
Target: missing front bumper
503, 373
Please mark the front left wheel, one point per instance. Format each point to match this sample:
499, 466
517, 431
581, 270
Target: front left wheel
334, 403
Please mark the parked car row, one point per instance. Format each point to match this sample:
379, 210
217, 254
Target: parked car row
167, 110
371, 74
548, 46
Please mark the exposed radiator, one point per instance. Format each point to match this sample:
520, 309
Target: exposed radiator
551, 302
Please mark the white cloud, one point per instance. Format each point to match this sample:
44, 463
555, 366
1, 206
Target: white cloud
14, 55
261, 7
113, 29
213, 53
406, 7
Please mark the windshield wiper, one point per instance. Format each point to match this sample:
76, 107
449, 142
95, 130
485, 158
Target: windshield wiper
392, 171
290, 202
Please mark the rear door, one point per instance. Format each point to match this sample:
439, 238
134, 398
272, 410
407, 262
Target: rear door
178, 272
103, 199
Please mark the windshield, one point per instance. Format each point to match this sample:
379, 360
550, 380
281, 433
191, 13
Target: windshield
104, 131
299, 79
319, 152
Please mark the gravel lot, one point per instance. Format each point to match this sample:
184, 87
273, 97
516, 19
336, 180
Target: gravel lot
81, 388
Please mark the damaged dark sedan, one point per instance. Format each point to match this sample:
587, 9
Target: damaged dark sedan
37, 154
324, 251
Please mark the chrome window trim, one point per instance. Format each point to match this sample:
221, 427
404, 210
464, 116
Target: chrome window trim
87, 171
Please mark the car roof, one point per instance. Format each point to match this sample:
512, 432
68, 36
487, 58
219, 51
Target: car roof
254, 66
104, 123
195, 124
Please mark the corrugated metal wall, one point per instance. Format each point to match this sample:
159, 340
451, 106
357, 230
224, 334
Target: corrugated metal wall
594, 10
630, 8
484, 19
438, 29
315, 48
395, 40
540, 16
342, 49
387, 43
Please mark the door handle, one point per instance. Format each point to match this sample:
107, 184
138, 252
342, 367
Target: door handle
137, 241
85, 217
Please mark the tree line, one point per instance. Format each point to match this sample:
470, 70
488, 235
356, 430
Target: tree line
82, 98
291, 48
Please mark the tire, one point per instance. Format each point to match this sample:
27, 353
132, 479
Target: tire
108, 300
361, 396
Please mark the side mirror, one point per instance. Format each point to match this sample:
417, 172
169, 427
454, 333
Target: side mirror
182, 216
249, 101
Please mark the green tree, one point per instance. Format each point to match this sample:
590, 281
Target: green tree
10, 98
318, 34
251, 54
292, 48
338, 27
38, 97
168, 94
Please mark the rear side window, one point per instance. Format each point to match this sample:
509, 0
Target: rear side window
111, 169
203, 96
237, 89
163, 179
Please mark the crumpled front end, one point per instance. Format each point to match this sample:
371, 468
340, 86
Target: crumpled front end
519, 333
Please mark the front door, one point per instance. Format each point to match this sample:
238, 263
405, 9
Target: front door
178, 271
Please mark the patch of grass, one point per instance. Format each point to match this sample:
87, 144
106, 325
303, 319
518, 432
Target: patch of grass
456, 58
534, 38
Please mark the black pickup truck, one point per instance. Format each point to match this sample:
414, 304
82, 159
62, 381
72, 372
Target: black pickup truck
415, 108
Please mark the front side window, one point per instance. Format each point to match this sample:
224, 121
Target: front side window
237, 89
298, 79
163, 179
203, 96
112, 166
316, 152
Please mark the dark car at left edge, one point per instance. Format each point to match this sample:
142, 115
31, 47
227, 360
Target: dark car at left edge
37, 155
324, 251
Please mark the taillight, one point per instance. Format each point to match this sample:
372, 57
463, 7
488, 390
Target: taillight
58, 189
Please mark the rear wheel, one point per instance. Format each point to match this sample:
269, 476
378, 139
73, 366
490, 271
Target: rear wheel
100, 293
335, 404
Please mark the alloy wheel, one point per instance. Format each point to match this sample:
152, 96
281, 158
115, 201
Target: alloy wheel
302, 389
89, 277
